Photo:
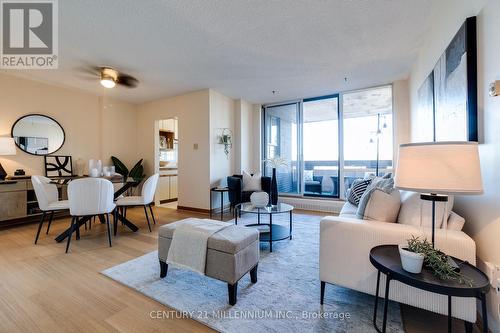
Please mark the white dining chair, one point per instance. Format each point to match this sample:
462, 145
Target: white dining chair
145, 199
47, 196
90, 197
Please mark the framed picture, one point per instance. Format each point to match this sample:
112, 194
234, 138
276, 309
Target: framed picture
455, 87
447, 99
58, 166
425, 111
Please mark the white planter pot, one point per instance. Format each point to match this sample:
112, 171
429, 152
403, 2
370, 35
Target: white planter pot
412, 262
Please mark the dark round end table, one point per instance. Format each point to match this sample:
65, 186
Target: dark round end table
386, 260
220, 190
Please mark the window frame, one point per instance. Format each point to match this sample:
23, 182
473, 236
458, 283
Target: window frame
300, 124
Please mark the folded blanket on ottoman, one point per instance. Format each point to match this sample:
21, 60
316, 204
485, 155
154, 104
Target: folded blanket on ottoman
189, 243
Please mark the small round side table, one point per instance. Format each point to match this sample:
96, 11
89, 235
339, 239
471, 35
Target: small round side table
220, 190
386, 260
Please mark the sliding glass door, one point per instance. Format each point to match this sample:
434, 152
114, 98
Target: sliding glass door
325, 155
281, 140
321, 146
368, 133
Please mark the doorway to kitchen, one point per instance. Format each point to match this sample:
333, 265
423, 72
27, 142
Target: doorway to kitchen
167, 158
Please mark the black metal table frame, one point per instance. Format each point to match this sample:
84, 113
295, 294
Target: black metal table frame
270, 224
481, 295
221, 191
121, 217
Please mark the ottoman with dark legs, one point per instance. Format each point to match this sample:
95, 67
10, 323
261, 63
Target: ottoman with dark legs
231, 253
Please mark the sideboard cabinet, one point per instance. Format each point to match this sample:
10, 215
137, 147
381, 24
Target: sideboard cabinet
18, 202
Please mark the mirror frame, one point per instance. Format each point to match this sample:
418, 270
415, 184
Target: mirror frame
41, 115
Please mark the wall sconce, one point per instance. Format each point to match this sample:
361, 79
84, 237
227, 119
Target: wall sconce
225, 138
495, 89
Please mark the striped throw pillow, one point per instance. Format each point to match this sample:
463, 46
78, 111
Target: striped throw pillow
358, 187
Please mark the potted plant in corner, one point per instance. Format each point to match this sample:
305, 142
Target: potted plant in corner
275, 163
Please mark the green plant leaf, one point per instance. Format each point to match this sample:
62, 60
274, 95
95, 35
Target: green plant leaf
137, 171
119, 166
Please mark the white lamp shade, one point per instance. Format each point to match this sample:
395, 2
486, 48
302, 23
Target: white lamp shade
7, 146
440, 168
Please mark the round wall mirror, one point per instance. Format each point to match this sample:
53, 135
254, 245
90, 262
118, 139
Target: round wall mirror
37, 134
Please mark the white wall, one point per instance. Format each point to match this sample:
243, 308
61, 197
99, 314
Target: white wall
193, 113
401, 115
244, 137
80, 114
482, 213
222, 115
256, 137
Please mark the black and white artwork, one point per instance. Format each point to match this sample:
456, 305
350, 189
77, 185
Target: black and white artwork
58, 166
425, 112
455, 88
447, 99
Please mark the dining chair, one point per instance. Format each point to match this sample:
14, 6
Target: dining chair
87, 198
145, 199
47, 196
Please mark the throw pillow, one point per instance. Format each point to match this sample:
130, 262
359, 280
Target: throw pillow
418, 212
308, 175
251, 183
357, 189
385, 185
383, 206
455, 222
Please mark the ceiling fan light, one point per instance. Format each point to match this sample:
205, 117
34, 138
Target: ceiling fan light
107, 81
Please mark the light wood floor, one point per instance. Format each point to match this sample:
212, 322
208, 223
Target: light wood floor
42, 289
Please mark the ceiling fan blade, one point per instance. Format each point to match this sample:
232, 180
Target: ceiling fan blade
127, 81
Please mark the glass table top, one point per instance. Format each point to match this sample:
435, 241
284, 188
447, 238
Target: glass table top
248, 207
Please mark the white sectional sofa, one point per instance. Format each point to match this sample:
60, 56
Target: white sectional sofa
345, 243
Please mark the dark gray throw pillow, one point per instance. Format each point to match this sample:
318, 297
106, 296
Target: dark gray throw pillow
358, 187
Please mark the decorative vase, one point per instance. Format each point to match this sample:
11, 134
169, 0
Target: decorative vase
412, 262
95, 164
274, 189
259, 199
80, 167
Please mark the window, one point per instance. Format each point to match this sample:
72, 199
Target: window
367, 133
321, 146
321, 161
281, 141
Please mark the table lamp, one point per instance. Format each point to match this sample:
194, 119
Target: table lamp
439, 169
7, 148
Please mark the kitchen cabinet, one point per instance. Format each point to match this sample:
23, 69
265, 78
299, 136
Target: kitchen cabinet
167, 188
173, 187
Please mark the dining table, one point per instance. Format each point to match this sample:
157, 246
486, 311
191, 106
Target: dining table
127, 184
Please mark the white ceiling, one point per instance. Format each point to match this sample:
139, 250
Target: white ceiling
244, 49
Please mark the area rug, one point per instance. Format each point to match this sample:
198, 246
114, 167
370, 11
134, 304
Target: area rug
285, 298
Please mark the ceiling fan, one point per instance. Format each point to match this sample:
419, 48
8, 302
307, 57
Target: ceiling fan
110, 77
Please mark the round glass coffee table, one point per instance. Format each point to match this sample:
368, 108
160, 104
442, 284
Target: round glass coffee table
269, 232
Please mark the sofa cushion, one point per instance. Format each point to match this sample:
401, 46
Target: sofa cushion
418, 212
357, 189
229, 240
386, 185
251, 183
455, 222
348, 210
382, 206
